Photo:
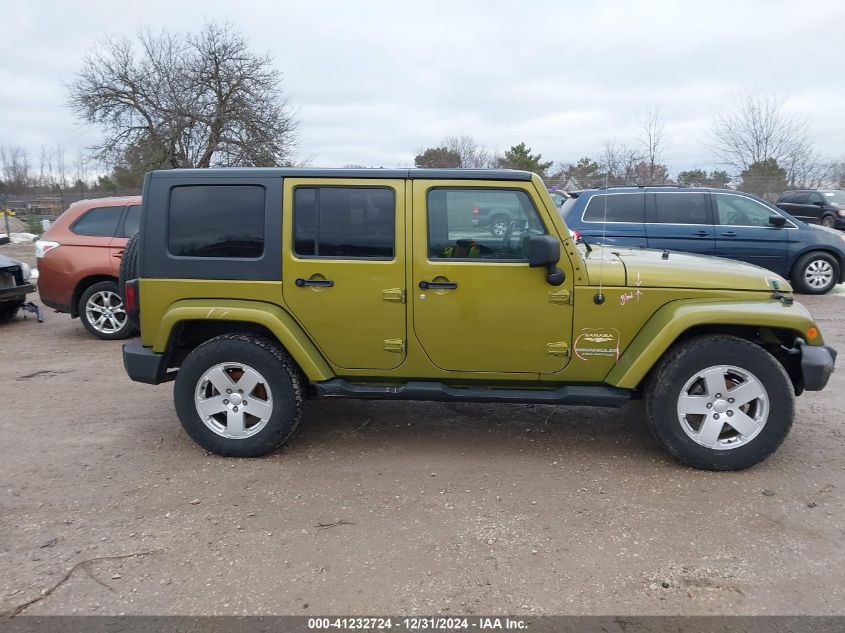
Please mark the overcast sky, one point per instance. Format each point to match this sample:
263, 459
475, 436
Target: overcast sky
375, 81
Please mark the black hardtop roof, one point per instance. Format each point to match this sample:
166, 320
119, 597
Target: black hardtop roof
318, 172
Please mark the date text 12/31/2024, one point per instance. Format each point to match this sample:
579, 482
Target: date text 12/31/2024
432, 623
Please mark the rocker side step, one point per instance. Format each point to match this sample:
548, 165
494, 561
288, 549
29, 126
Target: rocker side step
574, 395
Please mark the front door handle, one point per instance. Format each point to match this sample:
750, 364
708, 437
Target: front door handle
438, 285
327, 283
729, 234
701, 233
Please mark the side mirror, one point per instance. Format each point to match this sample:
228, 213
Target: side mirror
777, 220
544, 250
818, 203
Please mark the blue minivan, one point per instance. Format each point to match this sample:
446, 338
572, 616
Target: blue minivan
719, 222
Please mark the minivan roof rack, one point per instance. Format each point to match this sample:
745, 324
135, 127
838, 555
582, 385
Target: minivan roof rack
641, 186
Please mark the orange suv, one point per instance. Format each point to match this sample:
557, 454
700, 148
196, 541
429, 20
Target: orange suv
78, 263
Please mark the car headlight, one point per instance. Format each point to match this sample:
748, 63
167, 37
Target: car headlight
841, 213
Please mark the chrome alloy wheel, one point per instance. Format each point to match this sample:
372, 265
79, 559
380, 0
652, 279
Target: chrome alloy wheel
233, 400
818, 273
104, 311
723, 407
499, 228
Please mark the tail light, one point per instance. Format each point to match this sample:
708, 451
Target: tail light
42, 247
576, 235
130, 297
474, 210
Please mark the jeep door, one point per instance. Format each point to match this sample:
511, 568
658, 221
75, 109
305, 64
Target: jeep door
477, 306
343, 267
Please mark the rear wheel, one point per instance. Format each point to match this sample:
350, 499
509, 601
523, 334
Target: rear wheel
239, 395
829, 221
102, 313
719, 403
815, 273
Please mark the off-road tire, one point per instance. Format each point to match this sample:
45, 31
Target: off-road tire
128, 328
129, 270
680, 363
800, 283
9, 310
272, 362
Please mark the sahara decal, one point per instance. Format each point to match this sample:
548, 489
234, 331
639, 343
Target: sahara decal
603, 342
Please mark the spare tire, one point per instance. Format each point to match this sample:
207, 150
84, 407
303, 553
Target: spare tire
129, 271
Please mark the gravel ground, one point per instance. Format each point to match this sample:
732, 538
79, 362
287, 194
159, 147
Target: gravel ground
397, 508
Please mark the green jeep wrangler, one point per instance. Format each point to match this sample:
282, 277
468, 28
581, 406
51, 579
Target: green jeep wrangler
256, 289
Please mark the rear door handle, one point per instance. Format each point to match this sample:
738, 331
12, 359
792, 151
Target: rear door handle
701, 233
327, 283
438, 285
729, 234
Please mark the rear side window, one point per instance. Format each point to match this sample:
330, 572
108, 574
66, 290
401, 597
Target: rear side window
680, 208
786, 197
621, 207
801, 197
344, 222
99, 222
216, 221
133, 220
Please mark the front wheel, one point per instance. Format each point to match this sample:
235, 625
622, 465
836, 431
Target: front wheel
815, 273
239, 395
719, 403
102, 313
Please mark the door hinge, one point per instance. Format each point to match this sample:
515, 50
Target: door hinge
394, 295
560, 296
396, 345
557, 349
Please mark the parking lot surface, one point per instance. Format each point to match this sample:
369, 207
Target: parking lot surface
397, 507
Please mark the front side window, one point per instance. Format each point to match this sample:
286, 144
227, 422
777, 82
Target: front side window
345, 222
616, 207
483, 224
680, 208
99, 222
216, 221
734, 210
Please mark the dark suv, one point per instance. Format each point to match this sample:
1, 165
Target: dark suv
823, 206
719, 222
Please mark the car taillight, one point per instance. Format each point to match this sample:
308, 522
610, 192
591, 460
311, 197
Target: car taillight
42, 247
130, 294
474, 210
576, 235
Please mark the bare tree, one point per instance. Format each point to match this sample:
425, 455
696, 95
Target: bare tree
618, 162
756, 129
473, 155
652, 141
14, 164
199, 100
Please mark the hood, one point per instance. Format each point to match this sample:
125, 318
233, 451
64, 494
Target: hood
647, 268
